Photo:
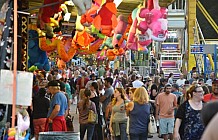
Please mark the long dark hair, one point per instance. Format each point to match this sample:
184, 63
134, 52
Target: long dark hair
122, 91
169, 76
87, 94
95, 85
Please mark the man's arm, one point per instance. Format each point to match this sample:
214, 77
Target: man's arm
157, 112
54, 112
103, 98
157, 108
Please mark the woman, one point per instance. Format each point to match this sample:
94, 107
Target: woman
95, 98
130, 91
170, 78
188, 125
40, 111
139, 112
153, 96
84, 106
118, 120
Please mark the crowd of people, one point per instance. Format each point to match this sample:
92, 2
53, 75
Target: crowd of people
123, 103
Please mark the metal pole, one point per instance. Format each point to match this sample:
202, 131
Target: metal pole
14, 65
130, 60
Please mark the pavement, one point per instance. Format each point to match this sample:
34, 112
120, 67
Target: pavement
76, 122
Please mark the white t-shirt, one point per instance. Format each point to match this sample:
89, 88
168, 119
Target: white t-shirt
180, 82
137, 83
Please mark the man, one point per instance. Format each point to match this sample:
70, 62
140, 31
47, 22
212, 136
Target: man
194, 78
181, 81
92, 79
201, 82
109, 90
212, 77
81, 82
137, 83
175, 90
214, 94
57, 75
165, 104
163, 82
58, 108
101, 71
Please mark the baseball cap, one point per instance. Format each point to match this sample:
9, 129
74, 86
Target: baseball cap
176, 86
215, 81
168, 85
53, 83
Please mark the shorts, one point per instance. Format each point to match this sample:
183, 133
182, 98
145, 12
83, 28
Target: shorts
166, 125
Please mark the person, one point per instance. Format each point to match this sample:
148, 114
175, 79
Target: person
153, 96
170, 78
73, 83
92, 79
214, 94
201, 81
166, 102
175, 90
83, 107
137, 83
118, 120
163, 82
57, 75
210, 132
194, 77
40, 110
105, 99
58, 108
181, 81
209, 110
182, 98
96, 99
139, 112
188, 125
210, 80
101, 71
81, 82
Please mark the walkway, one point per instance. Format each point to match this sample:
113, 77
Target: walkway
76, 122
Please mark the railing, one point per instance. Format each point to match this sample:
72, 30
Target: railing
178, 5
144, 70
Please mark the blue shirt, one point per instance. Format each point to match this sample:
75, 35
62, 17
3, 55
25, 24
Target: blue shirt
58, 99
139, 118
177, 94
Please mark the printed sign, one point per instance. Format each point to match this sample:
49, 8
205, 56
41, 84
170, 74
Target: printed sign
24, 87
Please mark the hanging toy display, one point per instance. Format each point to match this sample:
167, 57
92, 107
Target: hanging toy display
106, 20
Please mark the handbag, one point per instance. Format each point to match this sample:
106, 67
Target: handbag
69, 122
92, 117
152, 127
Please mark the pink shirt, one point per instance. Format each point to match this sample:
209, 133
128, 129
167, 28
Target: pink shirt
166, 102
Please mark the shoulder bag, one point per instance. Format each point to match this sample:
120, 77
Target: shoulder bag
92, 117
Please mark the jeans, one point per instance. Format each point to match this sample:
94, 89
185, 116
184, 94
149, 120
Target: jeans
142, 136
90, 131
123, 135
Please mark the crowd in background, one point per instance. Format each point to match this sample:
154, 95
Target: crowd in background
124, 102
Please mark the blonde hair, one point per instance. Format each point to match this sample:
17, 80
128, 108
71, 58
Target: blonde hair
81, 94
123, 96
141, 95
